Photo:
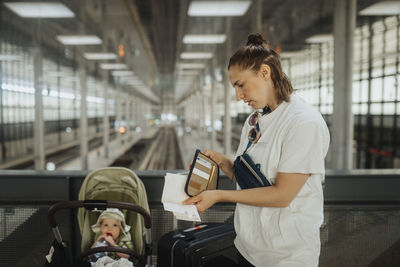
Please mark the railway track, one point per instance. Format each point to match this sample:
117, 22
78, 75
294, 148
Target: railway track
163, 153
158, 153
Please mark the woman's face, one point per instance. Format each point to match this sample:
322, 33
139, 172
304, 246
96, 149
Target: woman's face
255, 89
110, 226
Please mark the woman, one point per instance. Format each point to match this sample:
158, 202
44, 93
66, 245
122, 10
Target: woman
277, 225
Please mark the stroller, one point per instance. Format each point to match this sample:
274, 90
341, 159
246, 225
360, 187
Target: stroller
111, 187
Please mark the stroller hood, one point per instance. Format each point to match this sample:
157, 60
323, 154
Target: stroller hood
113, 184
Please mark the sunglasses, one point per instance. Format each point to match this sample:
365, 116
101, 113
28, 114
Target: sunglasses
254, 133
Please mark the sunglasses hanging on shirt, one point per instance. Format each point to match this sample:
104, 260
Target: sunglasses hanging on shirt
255, 133
246, 172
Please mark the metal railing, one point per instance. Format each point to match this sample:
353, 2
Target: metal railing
361, 227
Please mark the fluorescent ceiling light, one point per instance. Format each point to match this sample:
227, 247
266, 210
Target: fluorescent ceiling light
384, 8
192, 65
99, 56
71, 79
186, 83
57, 74
133, 79
218, 8
79, 39
113, 66
204, 38
40, 9
4, 57
196, 55
188, 72
134, 83
320, 38
122, 73
293, 54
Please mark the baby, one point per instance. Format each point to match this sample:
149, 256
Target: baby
111, 226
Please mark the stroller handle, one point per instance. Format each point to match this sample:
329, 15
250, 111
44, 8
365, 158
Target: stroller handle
112, 249
97, 204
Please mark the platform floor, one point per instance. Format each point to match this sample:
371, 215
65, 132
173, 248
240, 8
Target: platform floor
188, 143
117, 147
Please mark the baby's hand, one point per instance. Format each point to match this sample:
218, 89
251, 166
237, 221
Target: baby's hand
110, 240
101, 236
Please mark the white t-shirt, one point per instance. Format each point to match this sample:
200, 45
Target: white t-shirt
294, 139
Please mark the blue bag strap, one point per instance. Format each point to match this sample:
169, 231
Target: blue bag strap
247, 147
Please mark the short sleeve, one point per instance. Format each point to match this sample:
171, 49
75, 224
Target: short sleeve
304, 148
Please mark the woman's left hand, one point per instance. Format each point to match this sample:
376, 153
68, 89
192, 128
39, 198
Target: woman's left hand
204, 200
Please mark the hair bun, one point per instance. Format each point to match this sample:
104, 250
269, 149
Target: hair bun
255, 39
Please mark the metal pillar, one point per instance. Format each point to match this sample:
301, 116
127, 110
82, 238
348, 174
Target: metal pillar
140, 114
106, 121
118, 111
59, 106
135, 113
2, 142
395, 129
39, 156
83, 118
127, 117
203, 117
342, 117
75, 110
257, 23
369, 123
213, 100
105, 73
131, 118
228, 89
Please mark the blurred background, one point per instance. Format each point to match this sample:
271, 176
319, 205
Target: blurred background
145, 64
143, 83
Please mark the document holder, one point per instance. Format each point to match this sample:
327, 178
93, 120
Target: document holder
203, 175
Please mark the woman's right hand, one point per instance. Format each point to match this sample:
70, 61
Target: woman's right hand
204, 200
224, 163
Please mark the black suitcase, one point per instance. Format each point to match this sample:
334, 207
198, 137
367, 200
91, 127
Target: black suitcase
206, 247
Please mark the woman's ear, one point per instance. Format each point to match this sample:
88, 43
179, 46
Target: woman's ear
265, 71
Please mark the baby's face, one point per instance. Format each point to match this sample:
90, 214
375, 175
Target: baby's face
110, 226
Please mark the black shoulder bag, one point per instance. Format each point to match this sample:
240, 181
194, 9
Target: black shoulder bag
247, 173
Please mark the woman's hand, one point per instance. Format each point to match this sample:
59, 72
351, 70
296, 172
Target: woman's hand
224, 163
204, 200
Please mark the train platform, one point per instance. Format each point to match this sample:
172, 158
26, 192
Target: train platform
117, 147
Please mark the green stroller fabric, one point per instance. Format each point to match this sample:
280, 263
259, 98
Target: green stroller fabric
113, 184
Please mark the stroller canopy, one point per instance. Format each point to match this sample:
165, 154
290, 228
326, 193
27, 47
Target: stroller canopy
113, 184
